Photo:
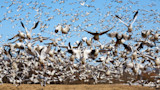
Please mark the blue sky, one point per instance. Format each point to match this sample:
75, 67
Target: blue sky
98, 13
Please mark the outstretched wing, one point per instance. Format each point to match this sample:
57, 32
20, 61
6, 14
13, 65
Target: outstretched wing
35, 25
22, 25
13, 37
106, 31
121, 20
69, 44
79, 44
135, 17
64, 47
127, 47
89, 32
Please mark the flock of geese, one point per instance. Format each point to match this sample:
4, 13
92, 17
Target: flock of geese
89, 61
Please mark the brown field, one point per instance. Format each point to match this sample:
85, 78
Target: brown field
73, 87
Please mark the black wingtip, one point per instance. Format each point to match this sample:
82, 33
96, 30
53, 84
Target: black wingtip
127, 47
140, 46
69, 44
79, 44
117, 16
36, 25
9, 39
98, 61
22, 24
135, 14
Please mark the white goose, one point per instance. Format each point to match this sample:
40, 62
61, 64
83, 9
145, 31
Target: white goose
30, 50
21, 36
38, 48
156, 59
58, 28
73, 50
97, 34
42, 55
131, 24
64, 30
88, 42
28, 33
145, 34
91, 53
19, 45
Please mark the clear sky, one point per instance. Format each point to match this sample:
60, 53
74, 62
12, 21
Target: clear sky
97, 13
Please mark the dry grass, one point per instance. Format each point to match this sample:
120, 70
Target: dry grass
73, 87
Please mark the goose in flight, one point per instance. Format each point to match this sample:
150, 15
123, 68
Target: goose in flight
92, 53
156, 59
127, 47
21, 36
113, 34
145, 34
127, 37
19, 45
64, 30
58, 28
40, 38
88, 42
130, 25
144, 43
54, 42
155, 37
96, 34
119, 40
74, 50
30, 50
28, 33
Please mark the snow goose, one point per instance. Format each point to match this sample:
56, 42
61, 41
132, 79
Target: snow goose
131, 24
19, 45
58, 28
119, 40
88, 42
147, 43
145, 34
40, 38
127, 47
30, 50
74, 50
156, 59
66, 29
28, 33
96, 34
21, 36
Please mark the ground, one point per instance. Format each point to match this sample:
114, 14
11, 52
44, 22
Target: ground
73, 87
